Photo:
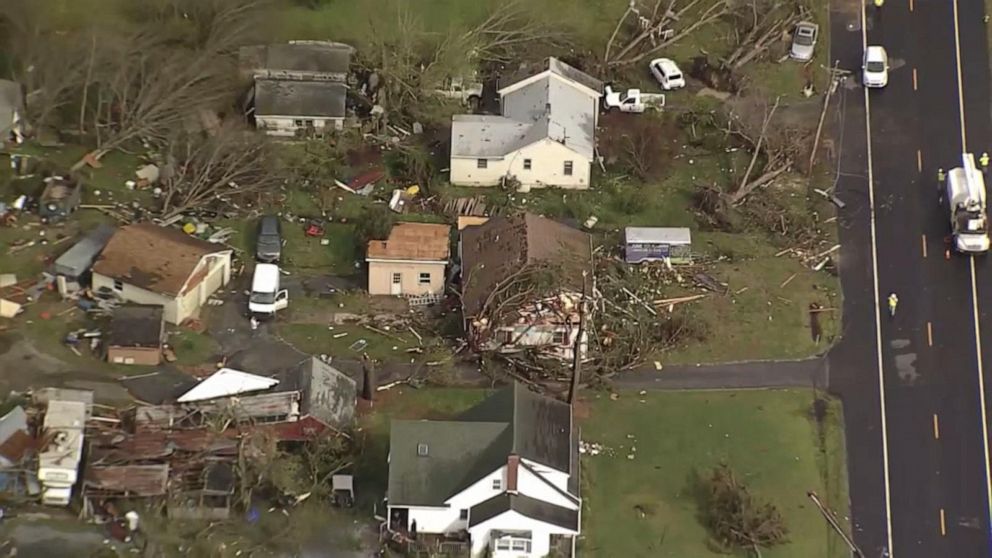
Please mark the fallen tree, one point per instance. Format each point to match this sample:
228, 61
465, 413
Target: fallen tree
641, 32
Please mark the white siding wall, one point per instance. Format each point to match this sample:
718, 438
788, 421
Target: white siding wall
478, 492
542, 335
547, 168
285, 125
556, 477
531, 485
433, 520
513, 521
131, 293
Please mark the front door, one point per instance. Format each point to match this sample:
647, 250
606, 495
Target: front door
396, 287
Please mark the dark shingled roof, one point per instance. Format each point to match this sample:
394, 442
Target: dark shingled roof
493, 251
512, 421
524, 505
306, 58
300, 98
136, 325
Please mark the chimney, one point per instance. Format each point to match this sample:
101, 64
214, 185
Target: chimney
512, 469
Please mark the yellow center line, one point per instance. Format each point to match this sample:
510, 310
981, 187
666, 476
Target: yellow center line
919, 160
914, 79
943, 524
923, 242
930, 334
936, 427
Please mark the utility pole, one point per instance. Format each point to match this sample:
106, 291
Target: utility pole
829, 516
573, 390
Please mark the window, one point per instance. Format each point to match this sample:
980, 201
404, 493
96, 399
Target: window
118, 285
482, 163
526, 164
298, 123
503, 544
558, 338
308, 123
520, 545
463, 515
568, 168
497, 484
424, 278
422, 450
397, 278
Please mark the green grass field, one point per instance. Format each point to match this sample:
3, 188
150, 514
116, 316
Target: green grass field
646, 507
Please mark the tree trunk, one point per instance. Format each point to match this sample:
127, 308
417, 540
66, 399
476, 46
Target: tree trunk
368, 378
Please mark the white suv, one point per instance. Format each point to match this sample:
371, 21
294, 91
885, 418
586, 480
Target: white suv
875, 70
667, 73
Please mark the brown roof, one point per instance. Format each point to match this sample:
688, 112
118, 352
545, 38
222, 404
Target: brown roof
155, 258
493, 251
132, 480
413, 241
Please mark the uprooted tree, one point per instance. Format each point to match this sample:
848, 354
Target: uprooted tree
642, 145
736, 519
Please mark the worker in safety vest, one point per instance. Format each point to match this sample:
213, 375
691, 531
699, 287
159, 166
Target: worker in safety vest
941, 176
984, 161
878, 3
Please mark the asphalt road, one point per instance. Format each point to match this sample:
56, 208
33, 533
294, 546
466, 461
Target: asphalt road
935, 501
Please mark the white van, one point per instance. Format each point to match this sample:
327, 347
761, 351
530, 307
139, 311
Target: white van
266, 298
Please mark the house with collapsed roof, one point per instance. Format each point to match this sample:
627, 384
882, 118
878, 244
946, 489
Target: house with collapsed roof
411, 262
294, 404
545, 136
522, 283
148, 264
299, 87
502, 478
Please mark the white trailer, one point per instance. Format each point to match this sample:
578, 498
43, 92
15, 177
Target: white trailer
964, 191
58, 462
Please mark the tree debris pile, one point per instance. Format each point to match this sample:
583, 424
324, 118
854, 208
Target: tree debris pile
645, 310
737, 520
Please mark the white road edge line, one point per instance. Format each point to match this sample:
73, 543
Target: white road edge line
974, 281
878, 316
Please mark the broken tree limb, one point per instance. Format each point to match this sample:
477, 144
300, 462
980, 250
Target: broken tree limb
787, 281
640, 300
757, 149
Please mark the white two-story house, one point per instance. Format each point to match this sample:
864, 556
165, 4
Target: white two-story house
545, 136
502, 478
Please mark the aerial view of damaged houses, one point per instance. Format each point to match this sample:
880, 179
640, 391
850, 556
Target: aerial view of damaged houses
495, 278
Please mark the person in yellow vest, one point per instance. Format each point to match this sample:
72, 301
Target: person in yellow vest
984, 161
878, 3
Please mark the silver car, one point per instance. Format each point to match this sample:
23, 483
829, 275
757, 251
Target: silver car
804, 40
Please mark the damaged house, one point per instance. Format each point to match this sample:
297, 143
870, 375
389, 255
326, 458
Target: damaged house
545, 136
148, 264
522, 282
502, 479
411, 262
299, 88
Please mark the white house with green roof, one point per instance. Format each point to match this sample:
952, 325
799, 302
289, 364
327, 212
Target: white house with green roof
503, 477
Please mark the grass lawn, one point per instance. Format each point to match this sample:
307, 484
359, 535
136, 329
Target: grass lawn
646, 506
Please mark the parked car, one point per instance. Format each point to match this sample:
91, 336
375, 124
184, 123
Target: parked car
266, 296
875, 70
667, 73
268, 241
804, 40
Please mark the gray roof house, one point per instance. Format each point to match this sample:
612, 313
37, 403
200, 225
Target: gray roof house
544, 136
508, 465
300, 88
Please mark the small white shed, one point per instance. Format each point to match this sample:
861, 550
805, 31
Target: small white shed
652, 244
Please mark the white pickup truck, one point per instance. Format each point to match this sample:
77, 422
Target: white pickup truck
632, 100
466, 91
